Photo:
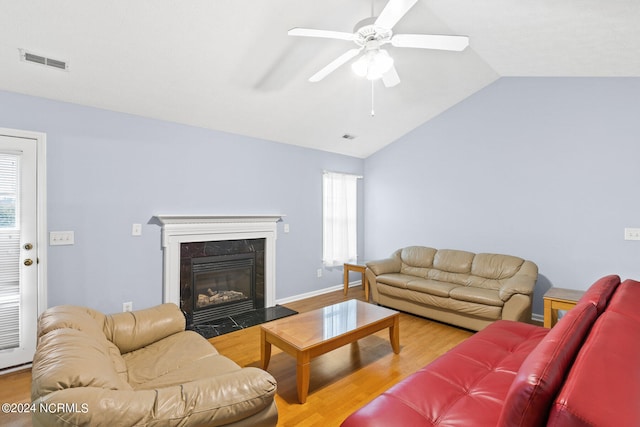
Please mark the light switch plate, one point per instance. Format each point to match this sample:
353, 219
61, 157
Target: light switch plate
59, 238
632, 234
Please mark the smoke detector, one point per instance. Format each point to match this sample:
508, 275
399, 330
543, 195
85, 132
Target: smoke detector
43, 60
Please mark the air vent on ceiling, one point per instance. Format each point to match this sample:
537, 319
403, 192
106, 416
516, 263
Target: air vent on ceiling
43, 60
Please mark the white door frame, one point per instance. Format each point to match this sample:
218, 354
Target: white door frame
41, 209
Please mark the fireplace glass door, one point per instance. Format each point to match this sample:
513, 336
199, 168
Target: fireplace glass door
223, 285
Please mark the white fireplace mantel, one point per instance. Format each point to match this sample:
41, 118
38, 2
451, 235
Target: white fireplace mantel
178, 229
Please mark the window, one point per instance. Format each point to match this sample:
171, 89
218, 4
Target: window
9, 252
339, 216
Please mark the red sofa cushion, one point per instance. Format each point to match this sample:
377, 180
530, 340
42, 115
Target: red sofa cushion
544, 370
600, 292
469, 382
603, 386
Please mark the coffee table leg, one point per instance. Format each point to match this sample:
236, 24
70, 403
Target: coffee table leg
265, 350
303, 372
394, 334
346, 279
365, 285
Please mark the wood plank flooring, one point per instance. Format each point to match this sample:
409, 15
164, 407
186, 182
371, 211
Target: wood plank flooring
341, 381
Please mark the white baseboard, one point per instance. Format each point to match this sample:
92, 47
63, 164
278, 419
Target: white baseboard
318, 292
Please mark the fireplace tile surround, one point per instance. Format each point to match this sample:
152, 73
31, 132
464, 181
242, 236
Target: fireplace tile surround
193, 255
201, 233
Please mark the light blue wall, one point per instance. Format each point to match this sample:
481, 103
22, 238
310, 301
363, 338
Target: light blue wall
107, 171
543, 168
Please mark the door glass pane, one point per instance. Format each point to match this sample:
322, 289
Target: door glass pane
9, 251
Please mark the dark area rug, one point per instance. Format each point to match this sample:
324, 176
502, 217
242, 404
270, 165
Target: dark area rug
241, 321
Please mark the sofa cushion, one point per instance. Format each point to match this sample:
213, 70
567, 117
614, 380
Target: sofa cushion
494, 266
600, 292
472, 378
625, 300
413, 296
397, 280
418, 256
67, 358
73, 317
460, 279
432, 287
477, 295
176, 353
453, 261
603, 386
543, 371
86, 320
474, 309
210, 366
135, 329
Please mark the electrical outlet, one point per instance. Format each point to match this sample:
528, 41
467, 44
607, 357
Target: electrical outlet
632, 234
319, 272
136, 230
127, 306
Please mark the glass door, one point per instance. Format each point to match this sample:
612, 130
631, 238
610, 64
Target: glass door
18, 251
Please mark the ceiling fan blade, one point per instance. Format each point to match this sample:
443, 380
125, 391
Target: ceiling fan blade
310, 32
391, 78
428, 41
393, 12
334, 64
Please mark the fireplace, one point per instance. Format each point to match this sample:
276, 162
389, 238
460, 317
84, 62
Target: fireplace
221, 278
223, 281
202, 238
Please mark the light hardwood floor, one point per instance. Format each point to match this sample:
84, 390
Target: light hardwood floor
341, 381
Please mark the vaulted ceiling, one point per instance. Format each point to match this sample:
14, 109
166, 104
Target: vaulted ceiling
229, 64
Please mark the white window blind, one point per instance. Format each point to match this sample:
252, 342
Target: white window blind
9, 252
339, 214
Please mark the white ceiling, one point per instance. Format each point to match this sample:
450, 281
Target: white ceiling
229, 64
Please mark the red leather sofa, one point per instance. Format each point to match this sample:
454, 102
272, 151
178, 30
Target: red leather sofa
585, 371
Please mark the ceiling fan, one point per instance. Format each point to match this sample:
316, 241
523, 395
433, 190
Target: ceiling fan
370, 35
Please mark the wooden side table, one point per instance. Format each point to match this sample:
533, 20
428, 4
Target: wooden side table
358, 267
558, 299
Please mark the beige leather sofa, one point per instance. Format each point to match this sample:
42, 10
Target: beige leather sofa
457, 287
140, 368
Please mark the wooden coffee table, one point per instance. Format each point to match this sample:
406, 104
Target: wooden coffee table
308, 335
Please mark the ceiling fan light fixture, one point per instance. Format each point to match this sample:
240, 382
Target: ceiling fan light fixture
373, 64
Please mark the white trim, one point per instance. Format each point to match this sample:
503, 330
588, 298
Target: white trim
41, 208
178, 229
537, 317
311, 294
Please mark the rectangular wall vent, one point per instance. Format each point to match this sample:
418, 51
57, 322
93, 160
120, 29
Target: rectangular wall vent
43, 60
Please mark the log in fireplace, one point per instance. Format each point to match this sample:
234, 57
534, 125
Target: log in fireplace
221, 279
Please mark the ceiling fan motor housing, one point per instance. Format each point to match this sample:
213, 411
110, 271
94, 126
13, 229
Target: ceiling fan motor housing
365, 31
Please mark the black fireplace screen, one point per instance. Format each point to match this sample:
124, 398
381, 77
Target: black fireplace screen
222, 279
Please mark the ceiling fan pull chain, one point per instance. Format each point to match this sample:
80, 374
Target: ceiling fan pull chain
373, 112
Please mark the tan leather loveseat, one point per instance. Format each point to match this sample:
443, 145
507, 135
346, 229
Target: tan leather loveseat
140, 368
458, 287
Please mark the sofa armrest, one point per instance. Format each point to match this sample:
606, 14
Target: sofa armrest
214, 401
136, 329
384, 266
522, 282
